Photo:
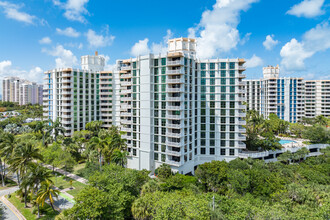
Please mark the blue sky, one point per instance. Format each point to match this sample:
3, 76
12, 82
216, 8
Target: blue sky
37, 35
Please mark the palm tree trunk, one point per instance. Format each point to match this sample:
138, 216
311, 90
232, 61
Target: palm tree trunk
25, 197
100, 161
51, 204
38, 211
18, 181
2, 173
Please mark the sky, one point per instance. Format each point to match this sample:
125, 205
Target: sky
39, 35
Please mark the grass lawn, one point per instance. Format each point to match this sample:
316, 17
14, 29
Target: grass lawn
63, 183
47, 212
9, 183
78, 167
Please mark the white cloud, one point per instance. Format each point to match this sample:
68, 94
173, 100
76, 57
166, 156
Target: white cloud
217, 29
307, 8
45, 40
315, 40
270, 43
254, 61
246, 38
293, 55
12, 11
74, 9
64, 58
4, 65
69, 32
162, 46
33, 75
95, 40
140, 48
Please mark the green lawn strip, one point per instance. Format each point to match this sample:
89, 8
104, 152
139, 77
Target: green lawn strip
62, 183
78, 167
47, 212
67, 198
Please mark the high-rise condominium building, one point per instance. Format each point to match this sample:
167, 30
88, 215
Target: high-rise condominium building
74, 96
21, 91
179, 110
284, 97
317, 98
173, 107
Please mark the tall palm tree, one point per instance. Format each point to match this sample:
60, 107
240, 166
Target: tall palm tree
94, 126
321, 120
43, 128
8, 145
119, 157
23, 156
46, 192
33, 178
57, 128
99, 144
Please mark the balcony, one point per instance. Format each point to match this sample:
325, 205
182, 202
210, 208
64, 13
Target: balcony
175, 89
174, 99
241, 76
174, 81
126, 129
106, 114
126, 122
240, 145
126, 114
67, 104
126, 68
176, 126
173, 163
241, 122
175, 135
175, 108
242, 130
174, 72
126, 91
174, 144
241, 68
126, 99
125, 76
175, 63
175, 153
240, 91
173, 116
125, 83
124, 107
241, 138
240, 99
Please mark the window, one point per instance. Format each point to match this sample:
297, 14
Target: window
231, 152
203, 150
223, 151
203, 74
212, 151
155, 156
223, 66
163, 61
203, 66
212, 66
156, 62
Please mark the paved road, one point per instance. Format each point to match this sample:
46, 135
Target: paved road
7, 212
65, 173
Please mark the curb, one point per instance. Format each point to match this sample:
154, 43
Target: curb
12, 208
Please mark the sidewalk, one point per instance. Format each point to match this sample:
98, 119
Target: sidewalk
65, 173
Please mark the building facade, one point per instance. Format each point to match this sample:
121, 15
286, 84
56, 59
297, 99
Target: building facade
77, 96
179, 110
21, 91
284, 97
317, 98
